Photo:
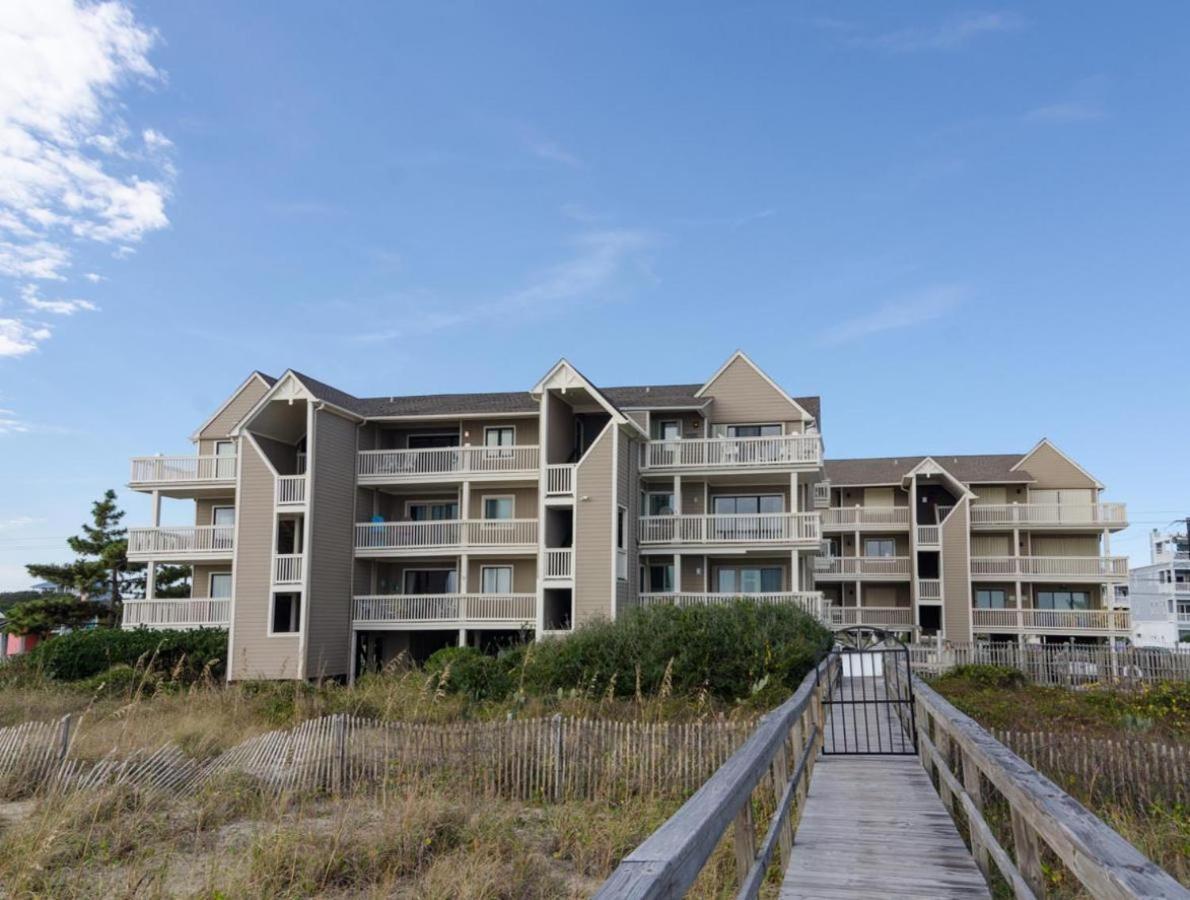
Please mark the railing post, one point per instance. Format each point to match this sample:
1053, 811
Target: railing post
1028, 853
64, 736
744, 840
558, 757
974, 788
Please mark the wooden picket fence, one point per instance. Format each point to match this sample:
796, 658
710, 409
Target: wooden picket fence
1061, 665
550, 759
1133, 771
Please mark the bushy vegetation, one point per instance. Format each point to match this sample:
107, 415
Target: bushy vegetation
183, 656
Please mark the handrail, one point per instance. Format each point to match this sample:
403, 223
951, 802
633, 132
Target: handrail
1102, 861
669, 860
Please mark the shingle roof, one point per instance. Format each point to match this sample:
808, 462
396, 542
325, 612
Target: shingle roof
970, 469
449, 404
654, 396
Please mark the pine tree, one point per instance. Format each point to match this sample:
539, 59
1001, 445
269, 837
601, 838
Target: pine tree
103, 557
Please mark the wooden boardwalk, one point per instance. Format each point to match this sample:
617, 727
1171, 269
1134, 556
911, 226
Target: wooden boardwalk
874, 826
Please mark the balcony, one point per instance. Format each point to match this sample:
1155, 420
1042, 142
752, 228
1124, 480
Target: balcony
1053, 621
403, 538
183, 476
929, 536
786, 451
181, 543
435, 463
807, 601
1051, 568
929, 589
1049, 515
852, 518
878, 568
192, 613
822, 494
559, 563
287, 568
877, 616
291, 490
446, 610
746, 528
559, 482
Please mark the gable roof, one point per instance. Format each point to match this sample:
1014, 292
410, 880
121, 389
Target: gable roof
267, 380
743, 357
1046, 442
986, 468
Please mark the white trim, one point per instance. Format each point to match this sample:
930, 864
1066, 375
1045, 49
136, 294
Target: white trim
488, 428
290, 377
1048, 443
196, 436
661, 423
483, 498
924, 468
301, 629
576, 379
214, 509
648, 506
308, 562
211, 586
511, 577
740, 354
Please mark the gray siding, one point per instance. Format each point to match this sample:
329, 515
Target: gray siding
628, 495
238, 407
956, 574
560, 440
593, 530
742, 395
330, 553
253, 653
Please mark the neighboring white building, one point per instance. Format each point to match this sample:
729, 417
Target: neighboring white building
1159, 593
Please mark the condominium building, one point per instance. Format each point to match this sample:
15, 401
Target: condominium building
332, 533
1159, 593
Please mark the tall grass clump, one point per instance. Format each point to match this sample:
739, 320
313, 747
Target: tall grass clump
186, 655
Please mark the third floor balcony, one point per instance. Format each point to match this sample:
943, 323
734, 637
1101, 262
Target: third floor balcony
1049, 515
1050, 568
404, 538
851, 518
760, 528
783, 451
437, 463
183, 476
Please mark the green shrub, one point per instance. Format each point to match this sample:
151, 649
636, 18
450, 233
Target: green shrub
465, 670
985, 676
184, 656
730, 652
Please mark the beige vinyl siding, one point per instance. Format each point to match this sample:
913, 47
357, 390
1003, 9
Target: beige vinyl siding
593, 538
956, 574
991, 545
200, 578
329, 552
238, 407
900, 541
878, 497
527, 430
1064, 545
1066, 496
1052, 470
990, 493
693, 497
741, 395
524, 500
524, 572
628, 496
690, 423
204, 508
253, 653
639, 416
885, 595
694, 572
855, 496
560, 440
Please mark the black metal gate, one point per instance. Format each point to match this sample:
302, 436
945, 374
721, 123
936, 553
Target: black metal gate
868, 706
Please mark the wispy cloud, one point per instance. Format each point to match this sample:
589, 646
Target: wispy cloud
600, 261
733, 222
19, 522
552, 151
915, 309
1066, 113
951, 34
71, 170
9, 422
33, 301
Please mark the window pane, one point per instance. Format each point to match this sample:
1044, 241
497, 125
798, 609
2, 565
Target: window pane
621, 520
499, 437
748, 505
661, 504
221, 585
497, 507
223, 515
772, 504
661, 579
726, 580
770, 579
723, 506
670, 431
749, 580
497, 580
879, 547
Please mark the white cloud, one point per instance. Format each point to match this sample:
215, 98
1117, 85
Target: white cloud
952, 34
906, 312
33, 301
93, 277
67, 171
17, 521
1063, 113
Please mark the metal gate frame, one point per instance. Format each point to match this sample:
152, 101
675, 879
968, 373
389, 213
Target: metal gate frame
856, 721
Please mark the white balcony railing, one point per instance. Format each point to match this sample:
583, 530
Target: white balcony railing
842, 616
731, 529
878, 566
727, 453
1050, 566
168, 469
183, 540
929, 535
407, 608
445, 533
929, 589
287, 568
291, 490
822, 494
1045, 514
191, 613
559, 562
398, 464
1056, 620
559, 480
808, 601
842, 517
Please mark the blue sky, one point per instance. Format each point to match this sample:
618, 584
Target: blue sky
966, 227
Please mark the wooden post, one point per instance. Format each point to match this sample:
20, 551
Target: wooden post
974, 788
63, 735
943, 745
339, 745
1028, 853
780, 770
745, 841
558, 758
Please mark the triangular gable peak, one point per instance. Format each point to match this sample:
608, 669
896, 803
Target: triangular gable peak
740, 358
564, 377
1046, 447
290, 388
254, 378
930, 467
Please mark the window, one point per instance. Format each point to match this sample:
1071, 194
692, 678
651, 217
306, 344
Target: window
1063, 600
502, 436
287, 613
495, 579
744, 431
433, 510
669, 431
748, 505
659, 503
657, 579
880, 547
223, 515
748, 579
432, 441
989, 599
431, 581
499, 507
223, 537
621, 528
225, 464
834, 547
220, 586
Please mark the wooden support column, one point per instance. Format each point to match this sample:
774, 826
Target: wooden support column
973, 785
745, 840
1028, 853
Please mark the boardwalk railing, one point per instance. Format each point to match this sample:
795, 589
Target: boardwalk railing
783, 747
1058, 664
963, 757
